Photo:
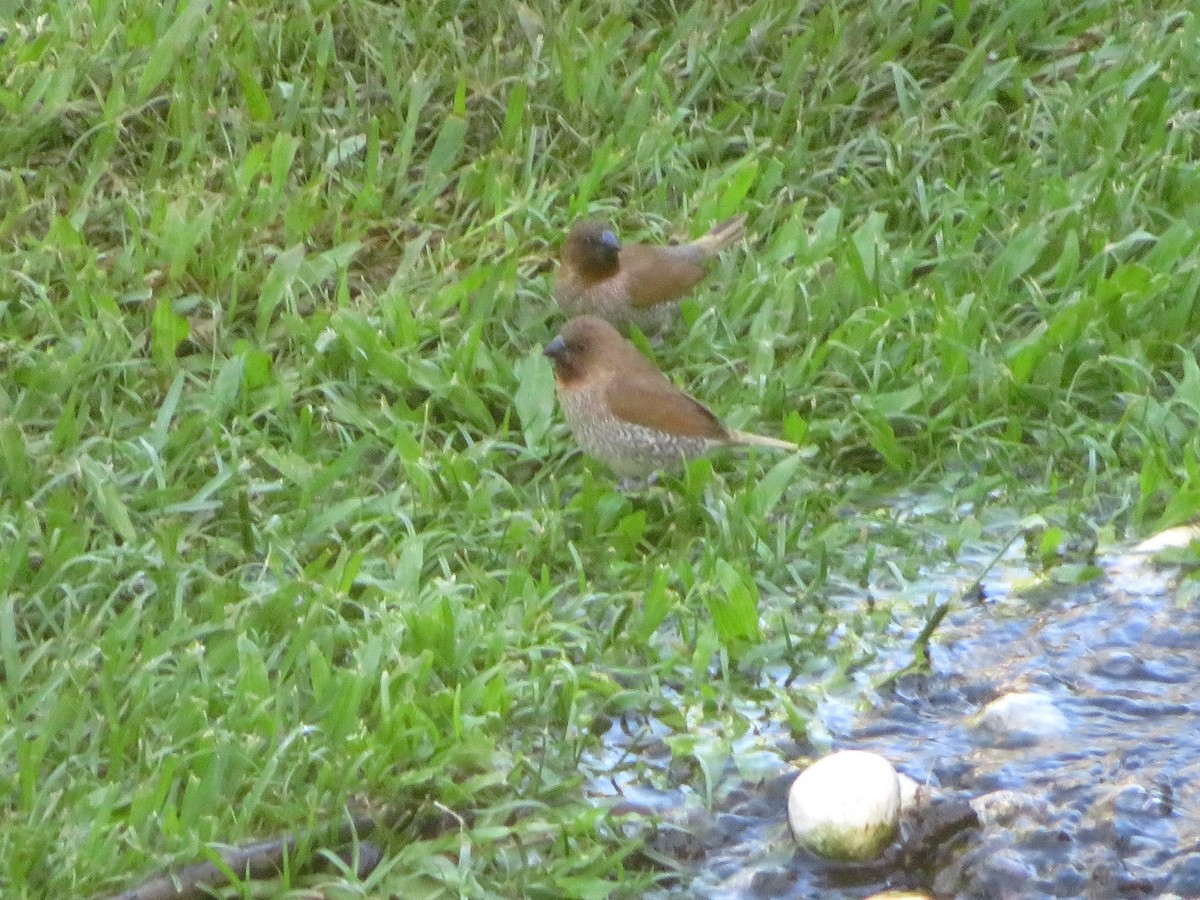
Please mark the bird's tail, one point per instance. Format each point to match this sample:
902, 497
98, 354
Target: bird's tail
721, 236
747, 439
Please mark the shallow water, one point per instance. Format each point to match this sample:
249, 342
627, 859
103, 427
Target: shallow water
1109, 808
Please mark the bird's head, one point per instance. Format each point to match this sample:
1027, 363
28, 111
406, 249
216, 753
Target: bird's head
592, 248
579, 349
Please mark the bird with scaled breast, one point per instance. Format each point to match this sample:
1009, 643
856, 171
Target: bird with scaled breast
633, 283
622, 410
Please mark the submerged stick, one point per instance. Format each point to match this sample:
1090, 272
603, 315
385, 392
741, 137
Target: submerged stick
922, 639
257, 861
920, 644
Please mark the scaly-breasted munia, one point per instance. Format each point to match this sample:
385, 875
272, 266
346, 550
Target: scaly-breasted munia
624, 411
633, 283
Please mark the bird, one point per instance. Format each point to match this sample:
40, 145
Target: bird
637, 284
623, 411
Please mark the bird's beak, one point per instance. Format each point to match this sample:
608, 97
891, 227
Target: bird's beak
609, 240
555, 348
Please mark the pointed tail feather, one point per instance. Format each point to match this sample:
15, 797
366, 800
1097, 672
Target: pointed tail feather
721, 236
747, 439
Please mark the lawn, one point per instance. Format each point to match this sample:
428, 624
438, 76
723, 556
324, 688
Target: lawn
289, 523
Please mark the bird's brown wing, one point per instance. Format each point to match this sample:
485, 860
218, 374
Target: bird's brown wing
649, 399
659, 274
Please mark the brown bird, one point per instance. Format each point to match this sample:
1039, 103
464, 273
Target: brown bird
624, 411
633, 283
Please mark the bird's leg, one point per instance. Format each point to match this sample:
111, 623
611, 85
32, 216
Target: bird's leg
632, 485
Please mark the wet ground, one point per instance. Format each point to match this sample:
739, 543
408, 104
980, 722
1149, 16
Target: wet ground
1108, 808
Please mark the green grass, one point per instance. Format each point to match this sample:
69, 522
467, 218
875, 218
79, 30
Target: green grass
288, 521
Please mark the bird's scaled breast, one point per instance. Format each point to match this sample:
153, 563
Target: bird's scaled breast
578, 295
629, 449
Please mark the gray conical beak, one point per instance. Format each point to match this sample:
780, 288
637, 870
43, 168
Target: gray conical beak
555, 348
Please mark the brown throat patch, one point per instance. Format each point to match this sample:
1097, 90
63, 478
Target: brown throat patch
567, 372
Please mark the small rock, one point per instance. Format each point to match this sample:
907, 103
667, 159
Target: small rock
1020, 718
913, 794
1001, 808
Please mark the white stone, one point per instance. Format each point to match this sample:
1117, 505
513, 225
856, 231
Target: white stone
1178, 538
846, 805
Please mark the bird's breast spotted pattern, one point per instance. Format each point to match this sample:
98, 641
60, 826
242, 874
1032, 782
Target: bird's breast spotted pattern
609, 298
578, 295
629, 449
